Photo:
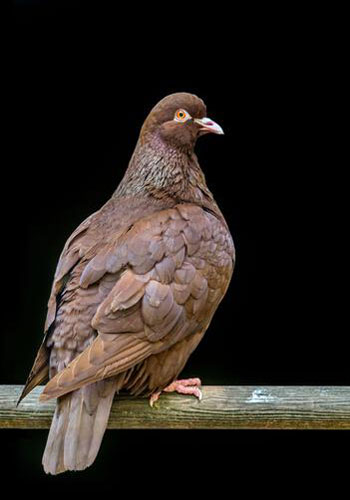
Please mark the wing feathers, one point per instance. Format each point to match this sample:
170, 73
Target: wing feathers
161, 265
108, 355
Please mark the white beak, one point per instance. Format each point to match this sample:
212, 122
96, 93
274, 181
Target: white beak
208, 125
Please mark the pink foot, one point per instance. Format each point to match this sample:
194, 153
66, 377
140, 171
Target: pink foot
189, 386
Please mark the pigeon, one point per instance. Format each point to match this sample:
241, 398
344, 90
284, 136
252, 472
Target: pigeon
135, 288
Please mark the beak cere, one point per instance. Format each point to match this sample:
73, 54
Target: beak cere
208, 125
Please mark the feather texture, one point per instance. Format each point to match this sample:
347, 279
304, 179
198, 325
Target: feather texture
77, 428
135, 288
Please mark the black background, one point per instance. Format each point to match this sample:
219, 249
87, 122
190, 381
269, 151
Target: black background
82, 80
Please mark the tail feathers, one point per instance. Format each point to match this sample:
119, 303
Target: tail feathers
77, 427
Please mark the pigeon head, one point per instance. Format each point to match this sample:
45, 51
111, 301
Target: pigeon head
164, 164
179, 119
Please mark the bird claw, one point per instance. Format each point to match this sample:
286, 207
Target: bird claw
190, 386
153, 398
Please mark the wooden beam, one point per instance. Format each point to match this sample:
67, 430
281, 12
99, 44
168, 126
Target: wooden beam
222, 407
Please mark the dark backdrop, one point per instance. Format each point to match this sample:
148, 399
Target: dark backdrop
82, 80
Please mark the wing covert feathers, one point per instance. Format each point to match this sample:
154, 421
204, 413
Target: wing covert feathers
177, 264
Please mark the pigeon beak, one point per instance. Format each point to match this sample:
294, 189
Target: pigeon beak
208, 125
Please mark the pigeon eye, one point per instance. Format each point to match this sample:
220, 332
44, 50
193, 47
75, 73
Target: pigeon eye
181, 115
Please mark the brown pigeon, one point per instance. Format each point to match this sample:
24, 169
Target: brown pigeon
136, 286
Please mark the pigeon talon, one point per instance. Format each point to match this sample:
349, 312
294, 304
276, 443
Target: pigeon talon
186, 382
153, 398
190, 386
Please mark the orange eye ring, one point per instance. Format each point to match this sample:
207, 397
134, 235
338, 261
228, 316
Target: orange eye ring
181, 115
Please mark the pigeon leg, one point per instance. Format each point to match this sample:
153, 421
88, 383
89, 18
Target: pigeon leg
190, 386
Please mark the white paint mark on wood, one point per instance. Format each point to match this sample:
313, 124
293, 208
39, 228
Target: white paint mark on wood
261, 396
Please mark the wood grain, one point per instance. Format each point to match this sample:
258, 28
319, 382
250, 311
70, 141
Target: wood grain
222, 407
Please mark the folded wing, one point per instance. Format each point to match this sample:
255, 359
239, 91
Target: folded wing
171, 270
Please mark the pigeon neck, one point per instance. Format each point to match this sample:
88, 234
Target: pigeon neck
159, 171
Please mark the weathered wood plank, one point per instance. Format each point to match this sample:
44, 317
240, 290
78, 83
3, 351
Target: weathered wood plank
222, 407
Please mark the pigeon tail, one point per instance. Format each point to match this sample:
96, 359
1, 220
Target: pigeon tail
77, 428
